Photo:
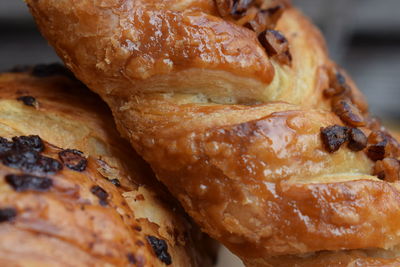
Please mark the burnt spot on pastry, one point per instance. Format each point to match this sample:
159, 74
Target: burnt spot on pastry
276, 45
7, 214
387, 169
32, 142
101, 194
24, 182
334, 137
357, 139
73, 159
347, 112
115, 182
160, 248
137, 228
28, 101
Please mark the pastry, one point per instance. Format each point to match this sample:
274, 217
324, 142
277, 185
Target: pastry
238, 109
73, 193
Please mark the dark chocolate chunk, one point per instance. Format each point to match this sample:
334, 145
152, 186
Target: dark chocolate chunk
73, 159
5, 145
28, 100
347, 112
101, 194
234, 8
32, 142
115, 182
276, 45
265, 19
30, 162
357, 139
160, 248
22, 183
7, 214
377, 143
334, 137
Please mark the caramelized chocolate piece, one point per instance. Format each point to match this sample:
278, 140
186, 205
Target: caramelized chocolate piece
32, 142
334, 137
276, 46
28, 100
22, 183
265, 19
347, 112
160, 248
387, 169
7, 214
337, 85
357, 139
378, 143
73, 159
101, 194
235, 8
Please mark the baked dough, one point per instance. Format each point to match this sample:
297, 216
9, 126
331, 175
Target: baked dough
255, 130
73, 193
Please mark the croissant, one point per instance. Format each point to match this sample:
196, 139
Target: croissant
72, 192
237, 107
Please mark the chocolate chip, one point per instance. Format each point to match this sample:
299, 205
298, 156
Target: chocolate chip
334, 137
73, 159
30, 162
377, 143
101, 194
160, 248
7, 214
28, 100
276, 46
357, 139
347, 112
387, 169
32, 142
22, 183
115, 182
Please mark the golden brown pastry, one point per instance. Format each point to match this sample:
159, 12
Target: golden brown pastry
240, 112
72, 192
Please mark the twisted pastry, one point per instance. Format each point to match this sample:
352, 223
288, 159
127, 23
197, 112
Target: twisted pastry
239, 111
69, 196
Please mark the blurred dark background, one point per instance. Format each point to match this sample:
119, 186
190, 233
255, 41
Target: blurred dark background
363, 36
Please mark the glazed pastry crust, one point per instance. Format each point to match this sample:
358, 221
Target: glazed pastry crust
68, 225
236, 139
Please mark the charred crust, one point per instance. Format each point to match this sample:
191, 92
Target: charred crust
333, 137
101, 194
357, 140
22, 183
160, 248
7, 214
28, 101
73, 159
